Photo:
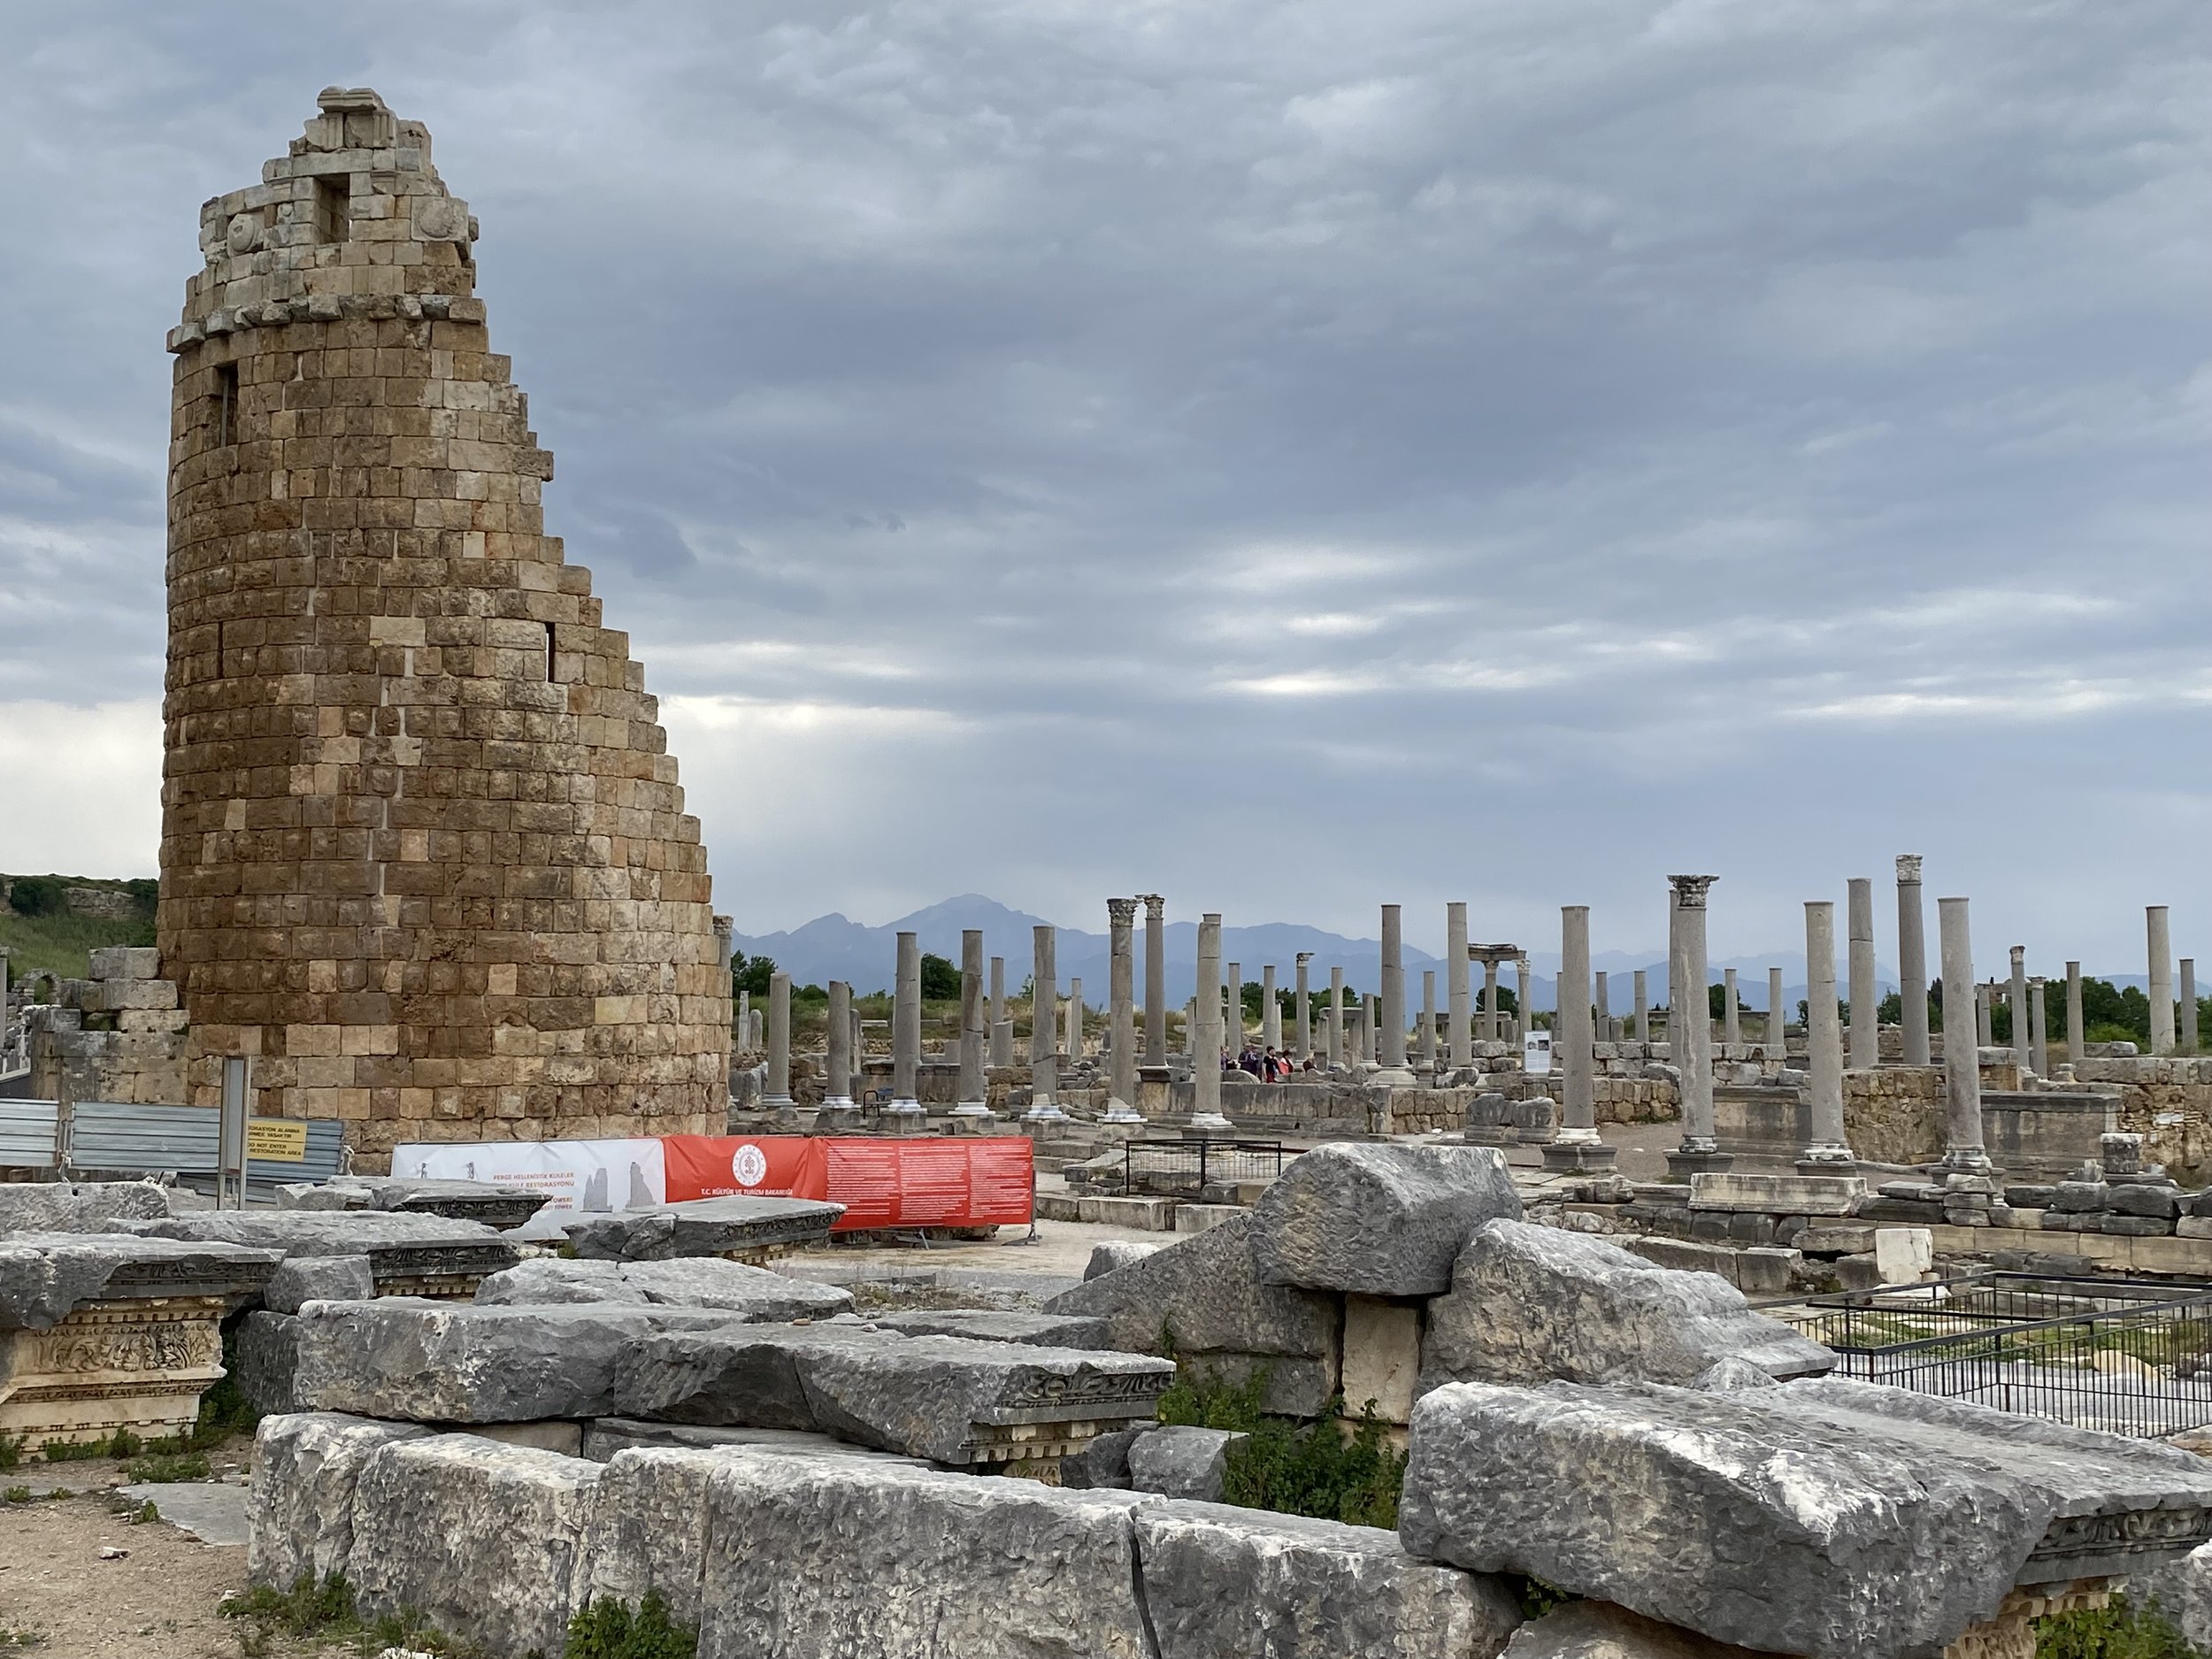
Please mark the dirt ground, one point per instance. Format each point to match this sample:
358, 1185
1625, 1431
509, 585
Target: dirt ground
59, 1600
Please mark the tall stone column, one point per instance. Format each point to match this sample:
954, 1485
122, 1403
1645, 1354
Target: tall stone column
1336, 1017
1678, 976
1912, 959
1866, 1002
2189, 1004
1370, 1024
1428, 1022
1233, 1011
2162, 985
1778, 1037
1121, 996
1731, 1018
1962, 1063
2076, 1044
1491, 1025
1524, 993
837, 1082
974, 1095
1824, 1042
2023, 1054
1641, 988
1577, 1146
777, 1094
2039, 1032
1391, 1030
1206, 1036
1458, 1033
906, 1030
1693, 1050
1044, 1077
1303, 1014
1154, 979
1270, 1011
1075, 1021
1002, 1028
1985, 1025
1601, 1029
725, 947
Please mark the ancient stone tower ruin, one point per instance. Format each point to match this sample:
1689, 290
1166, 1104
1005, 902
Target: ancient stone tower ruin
423, 850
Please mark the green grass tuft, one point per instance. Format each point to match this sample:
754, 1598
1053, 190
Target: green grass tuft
161, 1469
1290, 1467
2125, 1630
608, 1630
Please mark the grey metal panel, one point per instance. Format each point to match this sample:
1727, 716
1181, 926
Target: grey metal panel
29, 1132
105, 1135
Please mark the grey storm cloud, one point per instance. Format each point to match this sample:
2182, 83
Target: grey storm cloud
1288, 457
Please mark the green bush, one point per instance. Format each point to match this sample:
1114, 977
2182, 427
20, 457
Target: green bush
11, 1452
2121, 1631
608, 1630
326, 1611
36, 895
16, 1494
164, 1469
1290, 1467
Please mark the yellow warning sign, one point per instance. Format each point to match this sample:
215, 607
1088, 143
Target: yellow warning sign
276, 1141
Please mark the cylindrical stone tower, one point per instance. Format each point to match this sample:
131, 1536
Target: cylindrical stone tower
423, 851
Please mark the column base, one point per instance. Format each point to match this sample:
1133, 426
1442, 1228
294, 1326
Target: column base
1826, 1158
1207, 1123
1044, 1112
1565, 1156
1697, 1157
1120, 1111
777, 1103
1964, 1161
973, 1108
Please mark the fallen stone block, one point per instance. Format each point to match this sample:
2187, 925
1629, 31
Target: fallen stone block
991, 1324
909, 1563
265, 1359
1530, 1303
485, 1541
705, 1282
78, 1205
1222, 1581
318, 1279
1117, 1253
1378, 1220
1776, 1195
493, 1205
1204, 1294
1885, 1522
1839, 1238
299, 1509
647, 1530
756, 1228
411, 1256
1104, 1463
604, 1437
1598, 1630
45, 1277
1182, 1462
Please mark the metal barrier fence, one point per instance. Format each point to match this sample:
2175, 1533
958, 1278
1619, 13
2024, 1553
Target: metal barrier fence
1174, 1166
106, 1137
2130, 1358
30, 1134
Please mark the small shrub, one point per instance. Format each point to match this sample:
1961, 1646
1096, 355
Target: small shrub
326, 1610
16, 1494
2123, 1630
1290, 1467
608, 1630
11, 1452
36, 895
122, 1443
166, 1468
143, 1515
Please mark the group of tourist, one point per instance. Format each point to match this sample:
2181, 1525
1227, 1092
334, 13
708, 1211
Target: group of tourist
1269, 1065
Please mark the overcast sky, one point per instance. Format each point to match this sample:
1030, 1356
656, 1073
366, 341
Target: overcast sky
1288, 457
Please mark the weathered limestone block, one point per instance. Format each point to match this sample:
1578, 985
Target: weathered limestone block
1223, 1581
125, 961
265, 1356
1203, 1293
1182, 1462
756, 1227
1378, 1220
46, 1276
481, 1538
493, 1205
1117, 1253
745, 1376
299, 1510
1530, 1304
1103, 1465
77, 1206
990, 1325
410, 1255
306, 1278
706, 1282
909, 1563
1776, 1194
1598, 1630
604, 1437
1885, 1522
1382, 1357
647, 1530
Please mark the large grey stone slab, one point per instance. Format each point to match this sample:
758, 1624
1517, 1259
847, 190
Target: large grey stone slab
738, 1375
703, 1227
265, 1360
992, 1325
78, 1205
1177, 1462
45, 1276
1821, 1517
1598, 1630
604, 1437
1204, 1297
1532, 1303
647, 1529
1378, 1220
305, 1278
443, 1362
1221, 1581
212, 1511
481, 1540
908, 1563
299, 1509
406, 1251
706, 1282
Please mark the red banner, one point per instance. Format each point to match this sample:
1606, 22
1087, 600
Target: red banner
935, 1182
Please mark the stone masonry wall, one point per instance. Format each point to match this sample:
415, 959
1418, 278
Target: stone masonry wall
423, 852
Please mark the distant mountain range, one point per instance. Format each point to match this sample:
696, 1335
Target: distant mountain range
835, 947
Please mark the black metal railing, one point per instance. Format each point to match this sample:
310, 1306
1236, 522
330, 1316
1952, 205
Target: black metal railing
2125, 1357
1179, 1166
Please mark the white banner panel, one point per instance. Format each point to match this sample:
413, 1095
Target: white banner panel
582, 1177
